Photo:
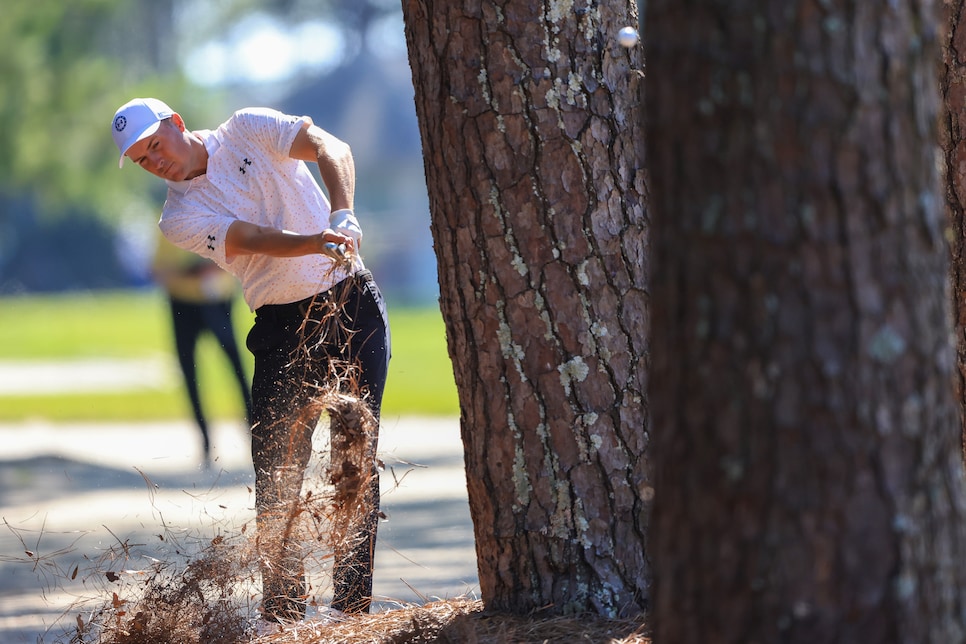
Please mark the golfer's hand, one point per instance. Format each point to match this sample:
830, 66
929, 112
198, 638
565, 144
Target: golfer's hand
334, 245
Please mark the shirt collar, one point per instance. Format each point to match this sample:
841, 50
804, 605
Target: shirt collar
211, 145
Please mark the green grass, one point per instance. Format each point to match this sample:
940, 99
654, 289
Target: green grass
134, 325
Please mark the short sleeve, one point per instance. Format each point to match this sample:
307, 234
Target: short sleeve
270, 129
203, 234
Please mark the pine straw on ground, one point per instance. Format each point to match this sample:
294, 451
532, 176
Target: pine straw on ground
461, 621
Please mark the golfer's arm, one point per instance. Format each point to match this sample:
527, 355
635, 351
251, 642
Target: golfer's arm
334, 157
245, 238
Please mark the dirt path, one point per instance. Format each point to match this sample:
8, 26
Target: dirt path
71, 493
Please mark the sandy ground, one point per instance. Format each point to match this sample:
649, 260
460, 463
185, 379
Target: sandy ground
72, 494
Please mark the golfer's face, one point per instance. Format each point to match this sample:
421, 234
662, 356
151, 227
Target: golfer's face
164, 153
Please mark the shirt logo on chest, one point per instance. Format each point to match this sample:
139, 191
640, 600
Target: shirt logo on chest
245, 162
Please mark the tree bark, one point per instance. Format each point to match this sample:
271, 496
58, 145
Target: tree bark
528, 113
953, 139
808, 483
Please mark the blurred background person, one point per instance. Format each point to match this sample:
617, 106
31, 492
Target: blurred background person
200, 295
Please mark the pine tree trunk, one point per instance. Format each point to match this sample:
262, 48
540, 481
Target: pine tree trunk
953, 137
806, 441
529, 121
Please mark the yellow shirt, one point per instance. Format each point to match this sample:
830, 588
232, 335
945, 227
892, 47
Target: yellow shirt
189, 277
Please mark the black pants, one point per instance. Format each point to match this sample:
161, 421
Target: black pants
190, 320
339, 335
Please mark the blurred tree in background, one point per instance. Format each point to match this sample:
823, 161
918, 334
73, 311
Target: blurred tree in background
60, 62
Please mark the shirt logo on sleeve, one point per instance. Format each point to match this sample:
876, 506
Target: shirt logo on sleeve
211, 242
246, 162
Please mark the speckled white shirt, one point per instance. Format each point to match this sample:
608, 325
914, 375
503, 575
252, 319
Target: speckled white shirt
251, 177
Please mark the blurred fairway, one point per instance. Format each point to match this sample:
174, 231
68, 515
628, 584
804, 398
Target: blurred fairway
135, 325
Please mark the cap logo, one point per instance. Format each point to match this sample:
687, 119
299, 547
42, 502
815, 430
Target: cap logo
120, 123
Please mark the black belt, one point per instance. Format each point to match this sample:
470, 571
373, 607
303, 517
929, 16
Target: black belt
300, 308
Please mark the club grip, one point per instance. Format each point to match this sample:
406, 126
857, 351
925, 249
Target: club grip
336, 250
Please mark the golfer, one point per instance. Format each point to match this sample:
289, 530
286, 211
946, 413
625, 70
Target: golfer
243, 196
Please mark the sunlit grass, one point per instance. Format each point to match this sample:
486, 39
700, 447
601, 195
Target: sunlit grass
134, 325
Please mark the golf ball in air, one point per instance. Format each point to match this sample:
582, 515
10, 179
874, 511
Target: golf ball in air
627, 37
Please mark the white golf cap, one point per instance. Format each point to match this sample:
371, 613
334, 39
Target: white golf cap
135, 120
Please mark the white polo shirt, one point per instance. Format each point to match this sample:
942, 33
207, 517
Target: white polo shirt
251, 177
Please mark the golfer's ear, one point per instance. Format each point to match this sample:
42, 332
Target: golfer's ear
178, 121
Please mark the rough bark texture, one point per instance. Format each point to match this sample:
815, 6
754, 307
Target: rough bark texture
529, 115
953, 138
808, 483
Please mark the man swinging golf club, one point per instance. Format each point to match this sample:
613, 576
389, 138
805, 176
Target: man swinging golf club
243, 196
